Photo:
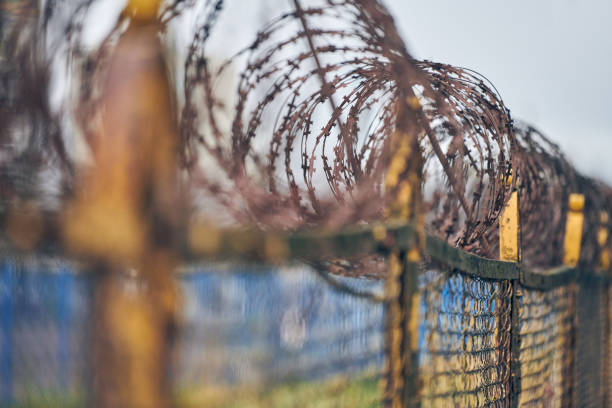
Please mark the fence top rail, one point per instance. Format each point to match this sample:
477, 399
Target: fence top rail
204, 242
548, 278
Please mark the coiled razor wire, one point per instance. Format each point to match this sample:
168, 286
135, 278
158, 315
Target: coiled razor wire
302, 138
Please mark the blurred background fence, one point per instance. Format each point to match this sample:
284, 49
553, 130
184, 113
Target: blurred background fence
242, 329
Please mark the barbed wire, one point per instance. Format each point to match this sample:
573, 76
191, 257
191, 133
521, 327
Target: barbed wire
303, 140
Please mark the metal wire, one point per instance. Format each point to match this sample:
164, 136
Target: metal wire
591, 318
546, 351
303, 138
465, 341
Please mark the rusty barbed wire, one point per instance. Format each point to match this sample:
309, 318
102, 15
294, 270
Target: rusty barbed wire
335, 91
31, 142
546, 179
303, 139
468, 194
315, 94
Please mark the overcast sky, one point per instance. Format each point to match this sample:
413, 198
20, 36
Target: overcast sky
551, 61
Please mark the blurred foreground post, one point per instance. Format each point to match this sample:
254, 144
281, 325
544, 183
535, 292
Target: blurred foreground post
403, 182
123, 221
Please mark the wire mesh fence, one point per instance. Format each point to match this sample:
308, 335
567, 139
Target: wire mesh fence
465, 340
243, 331
269, 336
547, 330
44, 333
592, 333
273, 326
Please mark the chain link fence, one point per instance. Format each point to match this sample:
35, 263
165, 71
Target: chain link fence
546, 325
274, 336
465, 341
243, 330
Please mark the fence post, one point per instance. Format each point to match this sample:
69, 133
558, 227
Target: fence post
573, 230
603, 241
403, 183
124, 220
510, 250
571, 255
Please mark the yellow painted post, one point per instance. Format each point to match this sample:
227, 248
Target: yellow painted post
571, 246
573, 230
510, 250
124, 220
403, 180
509, 228
603, 235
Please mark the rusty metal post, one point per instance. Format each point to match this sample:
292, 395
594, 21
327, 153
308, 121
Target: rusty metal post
510, 251
403, 180
123, 221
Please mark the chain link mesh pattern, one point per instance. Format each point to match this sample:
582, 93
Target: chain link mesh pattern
249, 336
590, 358
465, 341
260, 335
44, 321
608, 350
274, 326
546, 353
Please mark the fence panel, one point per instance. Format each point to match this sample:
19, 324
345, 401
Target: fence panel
261, 329
591, 335
546, 352
465, 340
44, 346
274, 336
255, 336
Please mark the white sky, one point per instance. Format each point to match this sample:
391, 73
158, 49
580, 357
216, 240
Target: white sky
549, 59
